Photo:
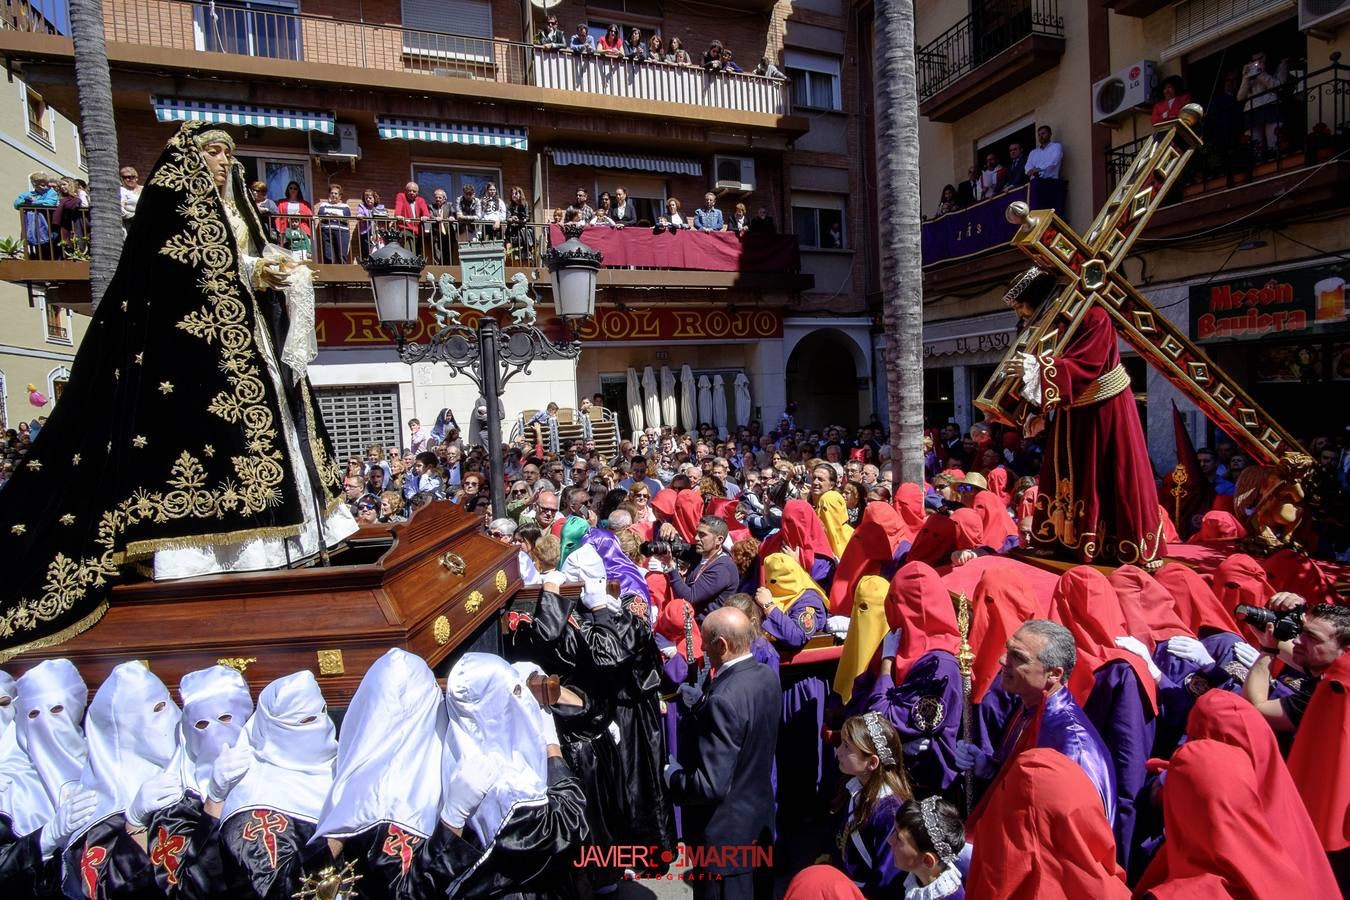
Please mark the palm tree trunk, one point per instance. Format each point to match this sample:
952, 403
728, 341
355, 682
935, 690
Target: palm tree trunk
897, 152
93, 83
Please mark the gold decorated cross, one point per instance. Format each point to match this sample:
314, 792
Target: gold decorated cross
1091, 266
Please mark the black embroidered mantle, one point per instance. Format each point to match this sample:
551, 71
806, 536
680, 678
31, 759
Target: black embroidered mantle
169, 433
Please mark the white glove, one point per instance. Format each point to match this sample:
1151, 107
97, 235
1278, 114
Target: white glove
1246, 654
1189, 649
158, 792
969, 757
229, 768
466, 789
1136, 646
669, 771
550, 729
74, 813
890, 644
655, 565
838, 626
669, 652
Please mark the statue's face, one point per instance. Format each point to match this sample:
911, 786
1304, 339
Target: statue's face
218, 158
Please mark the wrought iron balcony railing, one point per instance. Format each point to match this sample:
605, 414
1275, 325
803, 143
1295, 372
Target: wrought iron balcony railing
995, 26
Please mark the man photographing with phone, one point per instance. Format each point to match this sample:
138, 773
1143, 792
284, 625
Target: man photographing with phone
714, 578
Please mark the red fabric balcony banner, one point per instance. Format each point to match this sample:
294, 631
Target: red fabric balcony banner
708, 251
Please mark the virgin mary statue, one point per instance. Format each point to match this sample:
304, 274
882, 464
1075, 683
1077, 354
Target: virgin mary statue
187, 441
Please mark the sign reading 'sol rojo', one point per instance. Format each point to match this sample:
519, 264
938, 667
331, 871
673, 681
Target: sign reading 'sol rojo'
1292, 303
355, 327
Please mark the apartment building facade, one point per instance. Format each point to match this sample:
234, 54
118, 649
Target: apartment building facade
38, 333
1248, 254
371, 94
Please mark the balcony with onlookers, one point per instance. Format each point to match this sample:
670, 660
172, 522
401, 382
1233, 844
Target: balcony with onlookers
1266, 153
52, 247
203, 36
999, 46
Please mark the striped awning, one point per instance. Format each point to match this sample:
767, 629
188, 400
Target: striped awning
664, 165
177, 109
392, 129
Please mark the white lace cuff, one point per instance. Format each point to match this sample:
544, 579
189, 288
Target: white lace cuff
1031, 379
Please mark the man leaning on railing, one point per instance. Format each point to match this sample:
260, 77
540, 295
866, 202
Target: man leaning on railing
551, 37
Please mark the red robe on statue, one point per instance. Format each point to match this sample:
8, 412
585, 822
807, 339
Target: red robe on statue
1097, 494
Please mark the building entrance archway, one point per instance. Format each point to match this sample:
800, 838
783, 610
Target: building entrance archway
823, 378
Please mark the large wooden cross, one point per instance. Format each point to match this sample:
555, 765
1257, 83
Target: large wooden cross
1092, 267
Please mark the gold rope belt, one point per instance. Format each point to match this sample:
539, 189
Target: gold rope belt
1105, 387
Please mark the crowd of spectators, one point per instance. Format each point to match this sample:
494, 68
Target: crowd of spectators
652, 48
619, 211
998, 175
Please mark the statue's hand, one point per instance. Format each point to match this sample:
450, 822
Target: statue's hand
1033, 426
275, 273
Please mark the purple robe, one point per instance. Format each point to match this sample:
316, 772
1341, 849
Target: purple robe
763, 651
1066, 728
822, 571
801, 757
1119, 710
992, 714
925, 709
865, 857
618, 567
804, 619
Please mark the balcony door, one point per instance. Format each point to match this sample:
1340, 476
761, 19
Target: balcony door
267, 28
997, 25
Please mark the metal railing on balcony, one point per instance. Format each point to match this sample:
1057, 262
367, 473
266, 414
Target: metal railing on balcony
250, 31
993, 27
1298, 124
50, 233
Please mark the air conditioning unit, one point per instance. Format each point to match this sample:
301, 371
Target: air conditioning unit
1118, 95
733, 174
1322, 15
341, 143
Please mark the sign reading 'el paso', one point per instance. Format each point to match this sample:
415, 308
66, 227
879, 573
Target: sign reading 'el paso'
341, 327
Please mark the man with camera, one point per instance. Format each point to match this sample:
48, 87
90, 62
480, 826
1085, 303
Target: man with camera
711, 579
1308, 640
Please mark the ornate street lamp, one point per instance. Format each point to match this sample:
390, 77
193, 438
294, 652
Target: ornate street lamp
394, 273
488, 352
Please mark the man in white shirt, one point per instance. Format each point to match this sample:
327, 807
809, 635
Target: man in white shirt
1044, 160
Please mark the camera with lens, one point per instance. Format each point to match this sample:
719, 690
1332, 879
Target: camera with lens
1288, 623
675, 547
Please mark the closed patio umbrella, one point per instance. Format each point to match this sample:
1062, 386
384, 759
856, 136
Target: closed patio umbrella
719, 399
688, 405
652, 409
634, 401
705, 410
668, 403
743, 405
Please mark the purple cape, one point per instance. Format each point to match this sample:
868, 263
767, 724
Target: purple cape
618, 567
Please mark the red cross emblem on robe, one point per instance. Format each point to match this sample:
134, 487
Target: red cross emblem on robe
263, 827
90, 860
167, 853
400, 844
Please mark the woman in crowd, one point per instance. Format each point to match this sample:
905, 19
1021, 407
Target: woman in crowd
678, 55
947, 203
492, 211
674, 218
656, 50
633, 48
519, 236
369, 209
293, 212
612, 43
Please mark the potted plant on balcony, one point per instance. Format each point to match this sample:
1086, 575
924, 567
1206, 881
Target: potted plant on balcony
11, 248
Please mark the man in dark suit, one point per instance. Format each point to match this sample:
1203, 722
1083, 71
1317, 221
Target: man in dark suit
725, 792
1016, 175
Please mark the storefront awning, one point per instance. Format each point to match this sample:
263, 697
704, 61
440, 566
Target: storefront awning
177, 109
663, 165
392, 129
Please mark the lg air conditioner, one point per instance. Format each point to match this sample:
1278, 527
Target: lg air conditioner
341, 144
733, 174
1322, 15
1116, 96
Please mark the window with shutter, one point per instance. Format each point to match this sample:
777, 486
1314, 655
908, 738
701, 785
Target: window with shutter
358, 417
448, 29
